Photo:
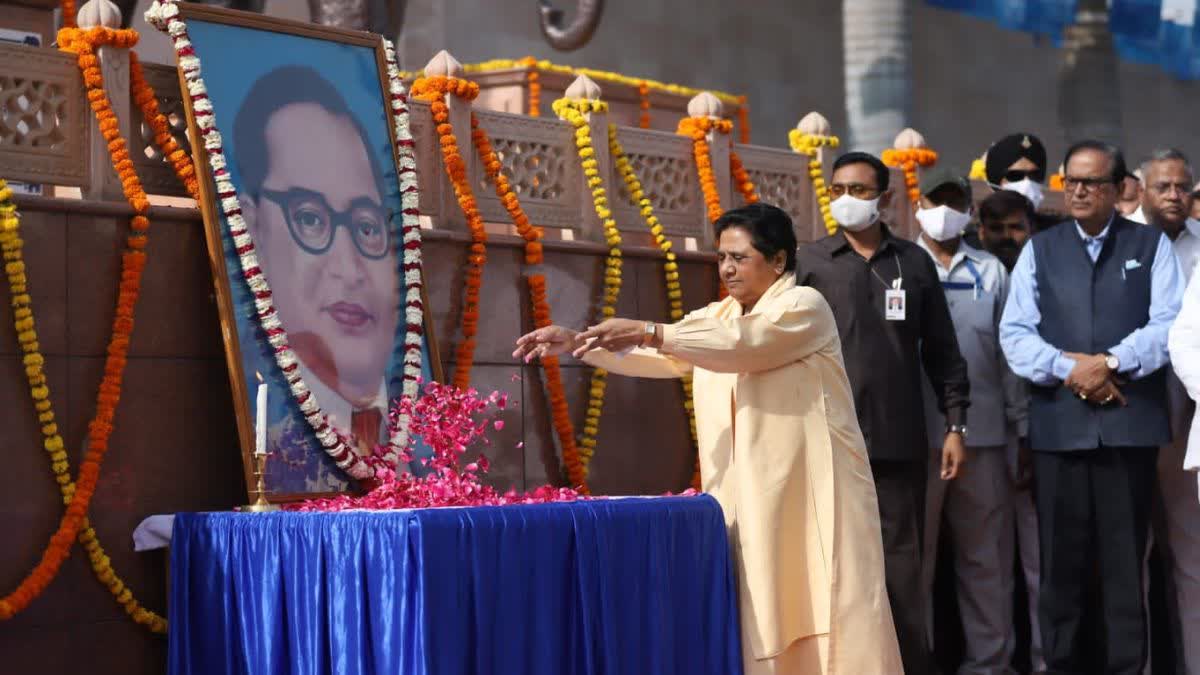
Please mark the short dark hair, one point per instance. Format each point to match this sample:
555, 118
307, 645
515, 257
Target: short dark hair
1115, 156
881, 171
1002, 204
770, 230
284, 86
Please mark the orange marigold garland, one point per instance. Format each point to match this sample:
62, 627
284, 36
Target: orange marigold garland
909, 159
1056, 182
576, 468
741, 178
533, 78
143, 96
696, 128
644, 104
133, 261
574, 111
68, 13
434, 90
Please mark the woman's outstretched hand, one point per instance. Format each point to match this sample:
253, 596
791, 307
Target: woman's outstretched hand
544, 342
615, 335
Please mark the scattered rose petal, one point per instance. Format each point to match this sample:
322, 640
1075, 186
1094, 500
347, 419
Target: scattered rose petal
498, 425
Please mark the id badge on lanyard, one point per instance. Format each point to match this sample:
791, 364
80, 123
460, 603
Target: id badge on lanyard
894, 300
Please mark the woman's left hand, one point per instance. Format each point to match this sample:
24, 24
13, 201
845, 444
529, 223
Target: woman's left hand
615, 335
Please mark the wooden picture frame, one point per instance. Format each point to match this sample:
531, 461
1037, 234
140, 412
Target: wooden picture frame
240, 330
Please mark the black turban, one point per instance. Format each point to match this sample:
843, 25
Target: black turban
1006, 151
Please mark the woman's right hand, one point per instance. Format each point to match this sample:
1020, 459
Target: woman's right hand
544, 342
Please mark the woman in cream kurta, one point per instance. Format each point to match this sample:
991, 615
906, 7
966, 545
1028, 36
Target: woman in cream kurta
780, 450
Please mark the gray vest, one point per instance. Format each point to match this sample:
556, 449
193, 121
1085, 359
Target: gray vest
1089, 308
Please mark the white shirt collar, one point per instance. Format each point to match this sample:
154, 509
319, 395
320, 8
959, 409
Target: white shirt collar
1103, 233
965, 250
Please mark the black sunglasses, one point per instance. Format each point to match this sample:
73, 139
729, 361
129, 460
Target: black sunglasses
1018, 175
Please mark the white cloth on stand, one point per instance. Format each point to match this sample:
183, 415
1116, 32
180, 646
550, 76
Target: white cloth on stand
153, 532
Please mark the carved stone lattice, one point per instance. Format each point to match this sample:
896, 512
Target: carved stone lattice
788, 191
535, 170
44, 130
158, 175
668, 181
31, 112
664, 165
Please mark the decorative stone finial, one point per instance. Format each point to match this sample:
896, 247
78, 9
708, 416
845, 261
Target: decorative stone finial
584, 87
815, 124
95, 13
909, 139
443, 65
705, 104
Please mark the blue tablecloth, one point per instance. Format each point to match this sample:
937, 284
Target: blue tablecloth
605, 587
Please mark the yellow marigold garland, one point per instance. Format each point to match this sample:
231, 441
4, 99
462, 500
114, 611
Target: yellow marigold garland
573, 111
670, 267
909, 159
808, 144
979, 168
12, 246
598, 75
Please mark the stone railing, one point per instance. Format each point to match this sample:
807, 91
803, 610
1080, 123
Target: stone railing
47, 137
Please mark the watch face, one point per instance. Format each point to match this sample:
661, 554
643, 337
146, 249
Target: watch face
1112, 362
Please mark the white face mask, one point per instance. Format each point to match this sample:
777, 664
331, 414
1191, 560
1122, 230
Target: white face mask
1028, 189
943, 223
853, 213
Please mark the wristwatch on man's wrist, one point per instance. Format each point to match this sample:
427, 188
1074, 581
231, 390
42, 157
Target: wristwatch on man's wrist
957, 429
1112, 362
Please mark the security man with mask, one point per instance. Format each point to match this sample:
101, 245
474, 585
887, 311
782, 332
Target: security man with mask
977, 506
1017, 162
893, 320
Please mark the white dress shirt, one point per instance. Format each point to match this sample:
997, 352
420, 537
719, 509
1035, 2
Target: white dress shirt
1183, 341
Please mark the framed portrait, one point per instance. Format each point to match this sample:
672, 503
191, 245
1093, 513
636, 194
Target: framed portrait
307, 134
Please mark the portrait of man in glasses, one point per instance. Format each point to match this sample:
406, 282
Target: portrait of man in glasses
314, 198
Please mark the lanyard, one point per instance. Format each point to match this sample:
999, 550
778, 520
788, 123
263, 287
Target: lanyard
963, 285
898, 281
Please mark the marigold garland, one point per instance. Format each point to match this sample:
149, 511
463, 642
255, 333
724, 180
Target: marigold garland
533, 79
574, 111
147, 101
697, 129
978, 169
39, 389
741, 178
133, 260
434, 90
670, 267
643, 104
809, 144
1056, 182
909, 159
576, 467
68, 13
598, 75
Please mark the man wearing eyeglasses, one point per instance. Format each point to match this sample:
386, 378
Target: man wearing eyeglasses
1167, 201
892, 319
1089, 306
314, 205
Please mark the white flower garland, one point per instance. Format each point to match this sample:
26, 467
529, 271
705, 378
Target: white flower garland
164, 15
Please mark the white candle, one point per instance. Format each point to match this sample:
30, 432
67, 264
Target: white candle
260, 423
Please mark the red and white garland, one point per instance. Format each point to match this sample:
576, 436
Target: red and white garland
164, 15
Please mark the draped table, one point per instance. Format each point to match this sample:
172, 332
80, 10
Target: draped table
597, 587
